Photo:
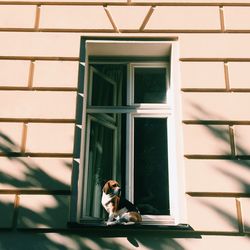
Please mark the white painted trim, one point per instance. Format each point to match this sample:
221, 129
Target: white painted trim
164, 110
82, 154
148, 219
132, 67
106, 124
178, 183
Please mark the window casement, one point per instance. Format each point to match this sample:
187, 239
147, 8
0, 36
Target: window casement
129, 130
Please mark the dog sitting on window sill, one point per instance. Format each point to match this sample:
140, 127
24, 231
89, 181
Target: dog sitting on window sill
120, 210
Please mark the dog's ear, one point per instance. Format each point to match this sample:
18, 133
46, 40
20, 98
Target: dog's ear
106, 187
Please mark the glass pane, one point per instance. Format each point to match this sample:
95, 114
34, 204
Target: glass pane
103, 91
151, 192
108, 85
101, 162
106, 158
150, 85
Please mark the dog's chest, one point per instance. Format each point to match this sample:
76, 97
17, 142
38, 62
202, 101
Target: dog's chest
107, 202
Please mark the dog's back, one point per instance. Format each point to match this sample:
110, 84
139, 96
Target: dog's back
128, 205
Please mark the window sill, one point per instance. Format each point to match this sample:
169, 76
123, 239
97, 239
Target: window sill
125, 230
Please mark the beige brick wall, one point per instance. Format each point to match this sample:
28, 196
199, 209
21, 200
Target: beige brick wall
16, 16
74, 17
220, 210
7, 209
39, 78
35, 173
48, 74
203, 75
37, 104
56, 208
239, 75
184, 18
213, 175
21, 76
236, 18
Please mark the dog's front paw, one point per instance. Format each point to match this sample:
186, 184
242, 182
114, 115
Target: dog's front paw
111, 223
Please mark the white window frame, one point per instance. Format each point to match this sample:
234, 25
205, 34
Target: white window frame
144, 110
87, 145
176, 172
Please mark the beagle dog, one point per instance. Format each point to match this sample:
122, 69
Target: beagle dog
120, 210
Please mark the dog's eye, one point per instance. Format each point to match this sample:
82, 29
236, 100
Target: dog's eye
114, 185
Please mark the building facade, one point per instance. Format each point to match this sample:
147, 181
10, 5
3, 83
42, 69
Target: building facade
77, 108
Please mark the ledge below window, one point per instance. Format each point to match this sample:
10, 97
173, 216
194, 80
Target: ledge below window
101, 229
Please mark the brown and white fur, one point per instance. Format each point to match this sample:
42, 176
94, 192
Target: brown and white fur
120, 210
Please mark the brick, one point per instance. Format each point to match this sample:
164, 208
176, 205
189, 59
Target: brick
242, 139
128, 17
212, 214
43, 211
216, 106
217, 176
35, 173
40, 44
209, 75
209, 242
239, 75
37, 104
55, 74
206, 140
184, 18
245, 208
236, 18
50, 138
67, 1
74, 17
10, 137
14, 73
17, 16
185, 1
6, 210
215, 46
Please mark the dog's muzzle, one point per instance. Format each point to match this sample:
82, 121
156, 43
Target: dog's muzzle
117, 191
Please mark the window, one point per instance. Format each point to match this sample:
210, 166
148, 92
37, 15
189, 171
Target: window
129, 131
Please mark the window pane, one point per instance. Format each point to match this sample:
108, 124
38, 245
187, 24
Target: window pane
101, 162
102, 91
108, 85
105, 155
151, 192
150, 85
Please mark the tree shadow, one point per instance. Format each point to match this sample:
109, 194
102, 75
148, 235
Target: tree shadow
39, 219
238, 159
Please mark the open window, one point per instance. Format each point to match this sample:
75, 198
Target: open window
131, 130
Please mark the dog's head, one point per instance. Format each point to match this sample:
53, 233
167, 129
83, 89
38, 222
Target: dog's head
112, 187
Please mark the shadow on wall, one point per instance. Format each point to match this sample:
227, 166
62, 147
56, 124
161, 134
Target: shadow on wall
238, 163
241, 158
56, 241
41, 206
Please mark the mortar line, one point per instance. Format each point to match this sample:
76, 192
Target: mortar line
24, 137
31, 74
37, 17
222, 21
147, 17
232, 141
16, 210
226, 73
111, 19
239, 215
